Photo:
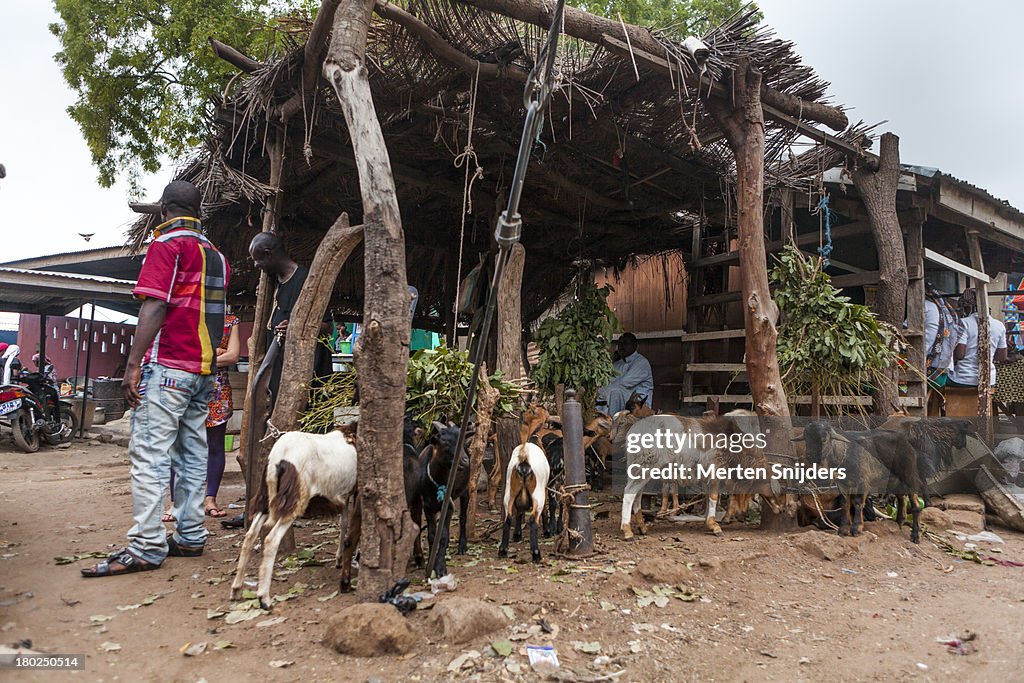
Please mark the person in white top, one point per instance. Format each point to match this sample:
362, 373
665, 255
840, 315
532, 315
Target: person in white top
965, 370
941, 329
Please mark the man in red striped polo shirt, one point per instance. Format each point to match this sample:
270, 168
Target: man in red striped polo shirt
168, 381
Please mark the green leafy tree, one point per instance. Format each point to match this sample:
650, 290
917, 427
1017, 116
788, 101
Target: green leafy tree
679, 17
575, 346
826, 342
145, 74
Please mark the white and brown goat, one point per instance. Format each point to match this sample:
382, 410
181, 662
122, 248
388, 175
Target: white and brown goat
526, 485
300, 467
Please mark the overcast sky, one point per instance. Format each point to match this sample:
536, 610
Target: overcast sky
944, 74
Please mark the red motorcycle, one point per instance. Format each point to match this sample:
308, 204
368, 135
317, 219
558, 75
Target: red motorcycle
33, 408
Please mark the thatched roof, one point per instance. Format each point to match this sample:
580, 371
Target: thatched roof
627, 162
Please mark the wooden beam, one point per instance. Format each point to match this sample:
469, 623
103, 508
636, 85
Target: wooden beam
713, 335
714, 367
979, 211
936, 257
661, 334
733, 257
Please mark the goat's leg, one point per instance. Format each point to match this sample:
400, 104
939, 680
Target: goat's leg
710, 519
506, 528
416, 512
494, 478
270, 547
517, 535
675, 495
348, 547
663, 510
444, 530
431, 530
858, 513
548, 522
915, 514
251, 536
534, 545
844, 520
463, 546
630, 498
901, 510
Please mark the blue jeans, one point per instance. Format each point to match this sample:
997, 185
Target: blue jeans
168, 430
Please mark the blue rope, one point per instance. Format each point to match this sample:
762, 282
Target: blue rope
826, 249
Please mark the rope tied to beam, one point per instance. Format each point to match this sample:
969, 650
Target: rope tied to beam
467, 185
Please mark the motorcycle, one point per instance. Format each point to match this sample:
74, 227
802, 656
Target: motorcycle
35, 411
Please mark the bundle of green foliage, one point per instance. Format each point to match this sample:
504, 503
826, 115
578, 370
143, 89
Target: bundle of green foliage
574, 347
436, 388
826, 342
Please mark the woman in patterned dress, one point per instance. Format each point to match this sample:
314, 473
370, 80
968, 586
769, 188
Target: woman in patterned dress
221, 408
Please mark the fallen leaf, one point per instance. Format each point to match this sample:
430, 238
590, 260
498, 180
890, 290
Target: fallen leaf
190, 650
214, 613
249, 594
462, 660
238, 616
325, 598
215, 580
271, 622
281, 663
507, 609
607, 606
110, 647
99, 618
151, 599
126, 608
502, 647
223, 645
591, 648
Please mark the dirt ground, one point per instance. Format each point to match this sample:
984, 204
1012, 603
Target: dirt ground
769, 607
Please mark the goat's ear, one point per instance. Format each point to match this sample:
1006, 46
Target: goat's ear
839, 437
438, 427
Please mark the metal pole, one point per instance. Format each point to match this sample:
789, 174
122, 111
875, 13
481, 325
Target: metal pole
88, 362
581, 536
78, 347
42, 343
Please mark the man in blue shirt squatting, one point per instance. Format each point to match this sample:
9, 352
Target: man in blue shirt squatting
634, 376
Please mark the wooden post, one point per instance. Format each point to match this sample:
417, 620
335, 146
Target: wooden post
382, 355
917, 384
878, 192
984, 340
486, 399
510, 358
264, 303
742, 121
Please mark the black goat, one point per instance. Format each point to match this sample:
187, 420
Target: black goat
436, 461
880, 460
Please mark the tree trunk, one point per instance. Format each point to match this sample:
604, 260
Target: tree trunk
486, 399
878, 192
742, 122
382, 353
510, 359
304, 324
257, 346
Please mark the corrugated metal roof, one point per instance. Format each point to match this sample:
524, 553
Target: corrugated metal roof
50, 293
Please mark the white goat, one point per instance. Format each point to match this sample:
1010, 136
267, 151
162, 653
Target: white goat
300, 467
526, 486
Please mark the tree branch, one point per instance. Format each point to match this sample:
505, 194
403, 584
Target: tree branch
235, 57
311, 51
442, 49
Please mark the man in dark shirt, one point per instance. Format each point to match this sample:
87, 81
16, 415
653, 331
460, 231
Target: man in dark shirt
268, 253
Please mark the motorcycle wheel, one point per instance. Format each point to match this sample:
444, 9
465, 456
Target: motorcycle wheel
69, 425
26, 438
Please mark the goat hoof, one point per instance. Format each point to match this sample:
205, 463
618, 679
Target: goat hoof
844, 532
516, 539
266, 604
502, 554
236, 593
536, 558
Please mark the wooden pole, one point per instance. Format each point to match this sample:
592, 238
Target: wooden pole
878, 192
741, 120
382, 355
486, 400
984, 340
257, 344
88, 363
510, 358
